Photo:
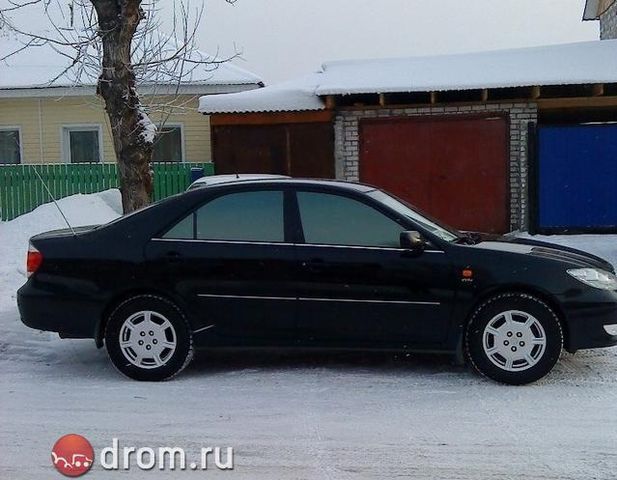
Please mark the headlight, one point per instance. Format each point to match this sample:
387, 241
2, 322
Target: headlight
595, 278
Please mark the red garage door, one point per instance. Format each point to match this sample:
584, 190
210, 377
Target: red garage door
454, 168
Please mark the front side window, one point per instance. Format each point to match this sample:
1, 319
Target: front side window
168, 145
335, 220
10, 147
243, 216
82, 144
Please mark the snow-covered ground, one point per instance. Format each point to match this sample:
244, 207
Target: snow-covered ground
297, 416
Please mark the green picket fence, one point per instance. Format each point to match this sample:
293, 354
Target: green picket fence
21, 190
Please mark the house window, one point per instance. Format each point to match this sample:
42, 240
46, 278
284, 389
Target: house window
10, 146
168, 146
82, 144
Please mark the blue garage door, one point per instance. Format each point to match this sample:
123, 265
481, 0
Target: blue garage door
577, 177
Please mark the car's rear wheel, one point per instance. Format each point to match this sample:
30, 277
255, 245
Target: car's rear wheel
514, 338
148, 338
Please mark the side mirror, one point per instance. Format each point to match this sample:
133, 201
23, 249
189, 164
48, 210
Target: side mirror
413, 241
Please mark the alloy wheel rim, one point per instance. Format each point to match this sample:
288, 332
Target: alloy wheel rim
147, 339
514, 340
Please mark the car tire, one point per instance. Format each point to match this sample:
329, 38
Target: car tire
513, 338
148, 338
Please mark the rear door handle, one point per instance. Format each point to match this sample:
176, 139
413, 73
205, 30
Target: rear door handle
314, 265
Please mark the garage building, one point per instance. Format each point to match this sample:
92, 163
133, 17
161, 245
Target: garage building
491, 141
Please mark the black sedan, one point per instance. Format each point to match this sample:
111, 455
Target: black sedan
278, 262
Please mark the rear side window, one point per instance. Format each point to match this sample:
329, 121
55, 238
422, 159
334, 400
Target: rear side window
183, 230
243, 216
336, 220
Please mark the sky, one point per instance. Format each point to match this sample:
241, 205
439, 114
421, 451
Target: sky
280, 39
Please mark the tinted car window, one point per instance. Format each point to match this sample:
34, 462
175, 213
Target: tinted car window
183, 230
335, 220
251, 216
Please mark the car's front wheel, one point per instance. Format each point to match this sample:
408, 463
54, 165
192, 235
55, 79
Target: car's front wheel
148, 338
514, 338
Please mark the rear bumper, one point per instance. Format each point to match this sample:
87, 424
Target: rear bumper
50, 311
586, 319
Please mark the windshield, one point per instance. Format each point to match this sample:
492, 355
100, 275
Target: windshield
445, 233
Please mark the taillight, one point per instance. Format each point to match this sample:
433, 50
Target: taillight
34, 260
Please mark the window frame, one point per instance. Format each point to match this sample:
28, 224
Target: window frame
12, 128
179, 125
65, 131
288, 214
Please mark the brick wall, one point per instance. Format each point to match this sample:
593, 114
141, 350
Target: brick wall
347, 148
608, 23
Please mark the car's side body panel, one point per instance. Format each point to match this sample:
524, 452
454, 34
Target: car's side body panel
244, 294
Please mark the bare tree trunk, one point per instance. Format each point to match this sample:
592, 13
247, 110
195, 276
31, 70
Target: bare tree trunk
131, 129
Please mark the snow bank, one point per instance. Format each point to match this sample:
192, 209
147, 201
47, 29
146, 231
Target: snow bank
79, 209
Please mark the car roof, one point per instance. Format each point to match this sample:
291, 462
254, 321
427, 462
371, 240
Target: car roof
231, 178
258, 179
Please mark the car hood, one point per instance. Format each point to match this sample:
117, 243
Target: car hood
547, 250
64, 232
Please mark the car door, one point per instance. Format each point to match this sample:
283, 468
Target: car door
357, 287
230, 263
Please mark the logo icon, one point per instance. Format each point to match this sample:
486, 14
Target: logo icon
72, 455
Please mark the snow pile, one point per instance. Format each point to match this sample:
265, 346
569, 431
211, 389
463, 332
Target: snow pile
79, 209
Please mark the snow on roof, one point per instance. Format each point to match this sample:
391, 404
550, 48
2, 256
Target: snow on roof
294, 95
37, 66
567, 64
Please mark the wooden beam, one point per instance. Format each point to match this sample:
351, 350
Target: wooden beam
598, 90
484, 95
382, 99
433, 98
330, 102
536, 92
274, 118
576, 102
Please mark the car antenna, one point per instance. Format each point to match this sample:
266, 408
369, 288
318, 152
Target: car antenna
54, 200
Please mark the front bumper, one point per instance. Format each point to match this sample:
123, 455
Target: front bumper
45, 310
586, 318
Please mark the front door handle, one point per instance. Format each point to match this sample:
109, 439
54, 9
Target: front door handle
173, 256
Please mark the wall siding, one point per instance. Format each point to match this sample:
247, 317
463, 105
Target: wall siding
347, 145
58, 112
608, 23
